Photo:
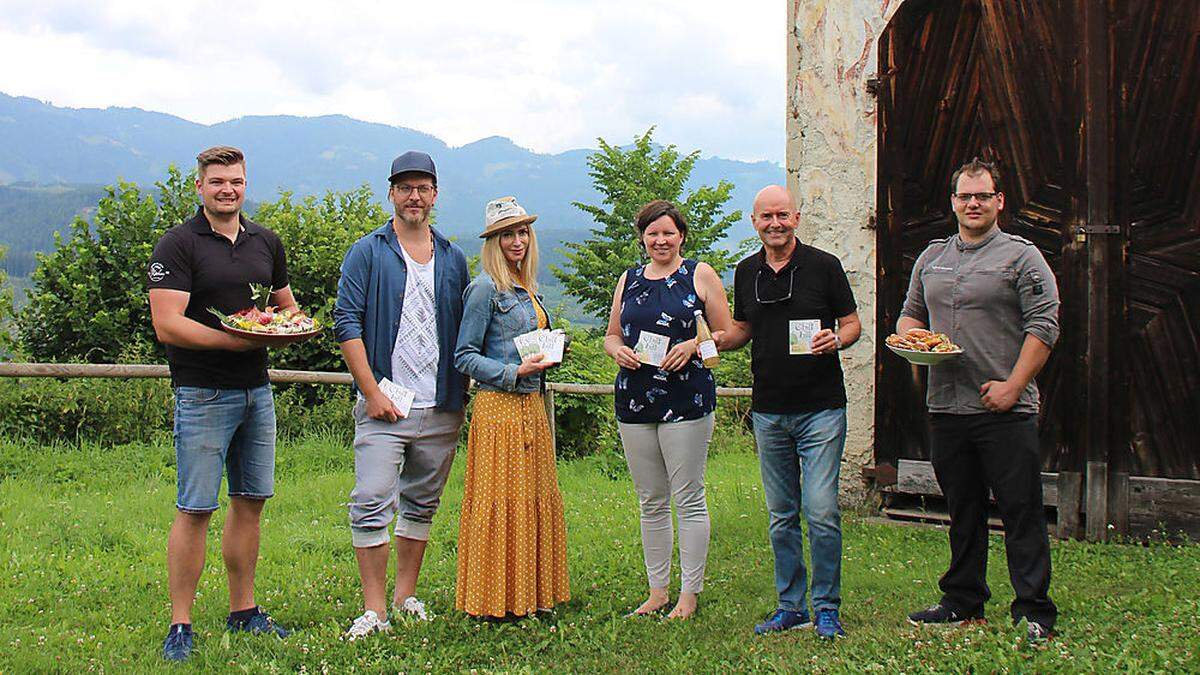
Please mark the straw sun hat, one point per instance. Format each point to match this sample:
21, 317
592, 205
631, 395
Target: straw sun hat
501, 214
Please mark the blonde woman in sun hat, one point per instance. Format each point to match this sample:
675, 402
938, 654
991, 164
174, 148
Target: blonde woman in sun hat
512, 540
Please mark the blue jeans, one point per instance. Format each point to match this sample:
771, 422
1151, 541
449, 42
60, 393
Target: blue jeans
800, 456
219, 430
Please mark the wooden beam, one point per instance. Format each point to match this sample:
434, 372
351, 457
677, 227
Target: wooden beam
1097, 501
133, 371
1070, 487
1118, 502
551, 420
1097, 143
916, 477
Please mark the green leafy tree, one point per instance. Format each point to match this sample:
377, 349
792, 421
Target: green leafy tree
88, 301
316, 233
6, 310
627, 179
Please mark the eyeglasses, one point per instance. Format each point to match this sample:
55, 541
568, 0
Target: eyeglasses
981, 197
758, 296
405, 190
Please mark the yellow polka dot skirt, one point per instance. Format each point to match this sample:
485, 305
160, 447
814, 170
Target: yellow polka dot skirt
512, 539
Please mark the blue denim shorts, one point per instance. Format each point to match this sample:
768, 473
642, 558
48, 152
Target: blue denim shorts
219, 431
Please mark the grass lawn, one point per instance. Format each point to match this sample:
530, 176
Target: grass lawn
83, 536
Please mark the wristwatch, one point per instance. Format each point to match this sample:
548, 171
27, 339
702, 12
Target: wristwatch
837, 340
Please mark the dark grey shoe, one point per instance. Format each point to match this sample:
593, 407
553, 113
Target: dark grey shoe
941, 615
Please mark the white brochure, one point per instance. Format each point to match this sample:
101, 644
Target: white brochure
401, 396
652, 348
548, 343
800, 335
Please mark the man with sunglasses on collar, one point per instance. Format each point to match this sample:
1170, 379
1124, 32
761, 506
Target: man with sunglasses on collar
794, 302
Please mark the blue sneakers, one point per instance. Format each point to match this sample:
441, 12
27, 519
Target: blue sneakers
781, 620
178, 645
828, 625
259, 624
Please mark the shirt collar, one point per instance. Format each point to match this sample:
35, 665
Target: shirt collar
796, 260
964, 246
201, 225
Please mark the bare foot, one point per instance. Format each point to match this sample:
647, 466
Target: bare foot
685, 608
657, 600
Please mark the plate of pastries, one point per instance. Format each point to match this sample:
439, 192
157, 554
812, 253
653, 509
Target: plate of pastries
923, 347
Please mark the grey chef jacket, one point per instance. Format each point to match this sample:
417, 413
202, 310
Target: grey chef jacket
986, 296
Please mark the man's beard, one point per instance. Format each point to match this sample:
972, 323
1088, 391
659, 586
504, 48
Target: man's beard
411, 221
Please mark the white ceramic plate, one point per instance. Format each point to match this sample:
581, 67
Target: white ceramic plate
924, 358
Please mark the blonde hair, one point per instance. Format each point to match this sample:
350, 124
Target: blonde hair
491, 256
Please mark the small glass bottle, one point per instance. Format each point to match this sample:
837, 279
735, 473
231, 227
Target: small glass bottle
705, 345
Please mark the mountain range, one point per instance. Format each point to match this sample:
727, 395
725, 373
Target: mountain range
60, 156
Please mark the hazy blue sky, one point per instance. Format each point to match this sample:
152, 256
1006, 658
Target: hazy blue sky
550, 74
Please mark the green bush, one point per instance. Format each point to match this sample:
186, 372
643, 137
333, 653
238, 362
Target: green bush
101, 410
113, 411
89, 300
317, 233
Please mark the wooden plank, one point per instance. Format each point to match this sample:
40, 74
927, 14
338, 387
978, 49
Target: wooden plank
931, 516
1118, 503
132, 371
548, 400
1070, 488
916, 477
607, 389
140, 371
1164, 507
1097, 501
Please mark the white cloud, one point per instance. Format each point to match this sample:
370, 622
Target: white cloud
551, 75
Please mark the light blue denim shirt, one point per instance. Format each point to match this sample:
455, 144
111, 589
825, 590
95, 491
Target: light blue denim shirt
370, 299
491, 319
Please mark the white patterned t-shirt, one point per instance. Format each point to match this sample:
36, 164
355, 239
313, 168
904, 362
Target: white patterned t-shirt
415, 354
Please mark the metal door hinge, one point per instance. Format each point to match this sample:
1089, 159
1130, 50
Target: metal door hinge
1098, 229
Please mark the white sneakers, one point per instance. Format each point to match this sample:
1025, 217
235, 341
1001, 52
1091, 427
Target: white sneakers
414, 607
367, 624
370, 623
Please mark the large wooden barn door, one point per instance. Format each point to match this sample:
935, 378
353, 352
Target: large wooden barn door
965, 79
1092, 110
1158, 200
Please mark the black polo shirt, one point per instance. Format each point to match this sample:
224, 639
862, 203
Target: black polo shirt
812, 285
217, 273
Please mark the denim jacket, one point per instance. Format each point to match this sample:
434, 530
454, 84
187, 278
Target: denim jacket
491, 319
371, 296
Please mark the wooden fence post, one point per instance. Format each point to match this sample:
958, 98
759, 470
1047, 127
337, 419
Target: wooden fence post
548, 400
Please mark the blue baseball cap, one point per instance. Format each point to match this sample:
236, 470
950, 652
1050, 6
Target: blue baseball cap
413, 161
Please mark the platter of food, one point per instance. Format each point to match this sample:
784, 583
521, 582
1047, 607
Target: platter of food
922, 347
268, 325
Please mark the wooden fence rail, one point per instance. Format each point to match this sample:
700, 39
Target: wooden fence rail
140, 370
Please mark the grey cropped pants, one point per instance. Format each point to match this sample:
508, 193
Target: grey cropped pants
400, 470
667, 462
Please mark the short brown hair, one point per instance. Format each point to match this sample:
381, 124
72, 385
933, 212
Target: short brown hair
220, 154
975, 167
656, 209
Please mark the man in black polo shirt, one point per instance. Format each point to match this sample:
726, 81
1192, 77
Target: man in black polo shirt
224, 412
794, 301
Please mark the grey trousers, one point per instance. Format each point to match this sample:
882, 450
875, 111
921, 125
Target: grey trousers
400, 471
667, 462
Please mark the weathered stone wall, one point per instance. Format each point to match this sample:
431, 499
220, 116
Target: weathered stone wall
831, 142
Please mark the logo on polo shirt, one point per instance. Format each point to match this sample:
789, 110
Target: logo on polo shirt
157, 272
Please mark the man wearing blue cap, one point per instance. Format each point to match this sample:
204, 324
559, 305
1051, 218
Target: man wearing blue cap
399, 305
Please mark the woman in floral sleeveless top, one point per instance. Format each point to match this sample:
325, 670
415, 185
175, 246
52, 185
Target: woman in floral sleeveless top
665, 411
